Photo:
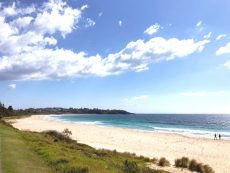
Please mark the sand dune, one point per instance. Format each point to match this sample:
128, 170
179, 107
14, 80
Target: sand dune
216, 153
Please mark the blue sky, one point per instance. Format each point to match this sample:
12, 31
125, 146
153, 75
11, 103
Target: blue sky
142, 56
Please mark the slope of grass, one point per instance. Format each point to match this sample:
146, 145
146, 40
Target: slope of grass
16, 156
62, 156
28, 152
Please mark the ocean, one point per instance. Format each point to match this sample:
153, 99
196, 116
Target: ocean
197, 125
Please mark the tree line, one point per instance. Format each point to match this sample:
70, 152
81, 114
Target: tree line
9, 111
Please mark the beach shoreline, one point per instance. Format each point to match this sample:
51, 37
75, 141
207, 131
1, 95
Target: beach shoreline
150, 144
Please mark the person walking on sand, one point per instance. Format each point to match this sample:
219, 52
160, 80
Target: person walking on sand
219, 136
215, 137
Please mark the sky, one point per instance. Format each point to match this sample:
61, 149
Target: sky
161, 56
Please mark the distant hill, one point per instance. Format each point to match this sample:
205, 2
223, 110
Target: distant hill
9, 111
58, 110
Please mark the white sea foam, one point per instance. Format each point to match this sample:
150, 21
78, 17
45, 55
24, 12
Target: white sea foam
193, 132
182, 131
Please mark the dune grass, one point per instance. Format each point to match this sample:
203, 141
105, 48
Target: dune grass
26, 152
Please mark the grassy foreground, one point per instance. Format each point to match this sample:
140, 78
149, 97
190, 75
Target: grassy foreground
16, 155
27, 152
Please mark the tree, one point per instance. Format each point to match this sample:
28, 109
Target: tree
10, 108
67, 132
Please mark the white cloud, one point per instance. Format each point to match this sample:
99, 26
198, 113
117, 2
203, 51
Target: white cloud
10, 10
152, 29
200, 26
207, 36
221, 36
22, 22
32, 28
44, 63
204, 93
12, 86
29, 51
136, 98
120, 23
56, 16
223, 50
89, 23
84, 7
227, 64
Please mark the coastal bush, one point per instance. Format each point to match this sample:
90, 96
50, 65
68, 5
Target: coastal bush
154, 160
182, 163
76, 170
67, 132
102, 152
163, 162
130, 167
192, 165
160, 171
208, 169
58, 136
200, 168
147, 170
147, 159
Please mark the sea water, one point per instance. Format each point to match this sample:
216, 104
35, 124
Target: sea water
199, 125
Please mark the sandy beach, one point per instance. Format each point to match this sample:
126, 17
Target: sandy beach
216, 153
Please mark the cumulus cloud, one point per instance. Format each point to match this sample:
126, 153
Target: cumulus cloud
204, 93
221, 36
56, 16
12, 86
44, 63
223, 50
28, 47
152, 29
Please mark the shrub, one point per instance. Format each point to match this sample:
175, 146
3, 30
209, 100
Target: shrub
147, 170
76, 170
163, 162
130, 167
183, 162
154, 160
146, 159
208, 169
58, 136
102, 152
61, 161
200, 168
178, 163
160, 171
67, 132
192, 165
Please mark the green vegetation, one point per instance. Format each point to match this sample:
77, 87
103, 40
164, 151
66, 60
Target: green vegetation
5, 112
163, 162
51, 151
193, 165
16, 156
183, 162
57, 110
9, 111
